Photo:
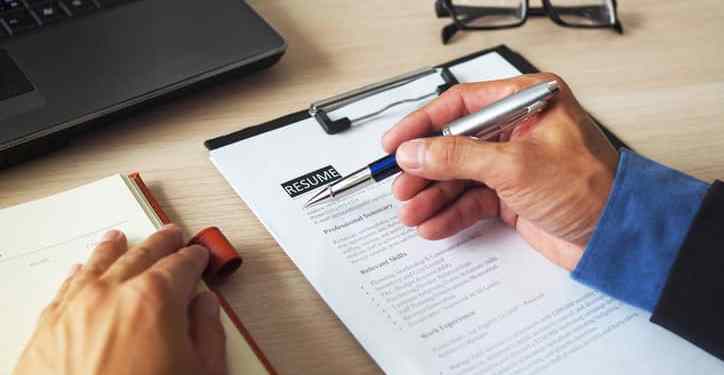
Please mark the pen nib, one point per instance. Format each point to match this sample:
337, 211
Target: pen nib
321, 196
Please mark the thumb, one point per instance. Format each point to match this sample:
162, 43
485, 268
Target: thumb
450, 158
207, 333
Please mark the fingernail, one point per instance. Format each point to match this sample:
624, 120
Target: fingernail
410, 154
209, 305
170, 226
111, 235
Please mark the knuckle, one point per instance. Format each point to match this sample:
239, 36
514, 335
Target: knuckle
90, 272
474, 203
95, 290
531, 79
87, 301
486, 204
144, 301
154, 284
451, 153
548, 76
142, 252
458, 214
456, 89
437, 193
169, 235
186, 261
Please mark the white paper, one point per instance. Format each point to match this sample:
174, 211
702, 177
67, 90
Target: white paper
481, 302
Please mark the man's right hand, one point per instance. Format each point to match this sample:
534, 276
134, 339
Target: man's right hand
549, 178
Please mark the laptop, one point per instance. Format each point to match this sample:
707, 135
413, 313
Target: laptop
67, 65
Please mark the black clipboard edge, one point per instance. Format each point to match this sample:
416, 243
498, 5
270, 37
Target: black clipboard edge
253, 131
514, 58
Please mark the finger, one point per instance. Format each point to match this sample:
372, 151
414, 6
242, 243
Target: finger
60, 295
407, 186
207, 333
507, 215
560, 252
430, 201
460, 100
474, 205
165, 241
112, 246
182, 271
448, 158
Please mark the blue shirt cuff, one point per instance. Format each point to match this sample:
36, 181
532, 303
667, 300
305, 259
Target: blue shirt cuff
641, 229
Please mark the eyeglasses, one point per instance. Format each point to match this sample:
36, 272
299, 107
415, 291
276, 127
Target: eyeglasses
502, 14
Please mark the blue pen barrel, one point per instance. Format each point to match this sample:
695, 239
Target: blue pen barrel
383, 168
387, 166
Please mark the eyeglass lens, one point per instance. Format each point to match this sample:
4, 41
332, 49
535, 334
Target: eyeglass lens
486, 13
585, 12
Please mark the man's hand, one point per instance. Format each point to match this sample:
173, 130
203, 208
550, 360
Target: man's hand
549, 179
131, 312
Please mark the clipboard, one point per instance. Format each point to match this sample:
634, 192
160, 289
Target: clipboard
453, 306
512, 57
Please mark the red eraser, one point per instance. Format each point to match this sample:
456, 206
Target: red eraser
224, 259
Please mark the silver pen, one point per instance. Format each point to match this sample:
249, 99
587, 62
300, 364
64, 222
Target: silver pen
484, 124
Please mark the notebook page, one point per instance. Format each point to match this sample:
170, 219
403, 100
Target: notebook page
481, 302
49, 235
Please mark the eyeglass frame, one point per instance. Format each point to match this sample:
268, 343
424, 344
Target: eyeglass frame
445, 8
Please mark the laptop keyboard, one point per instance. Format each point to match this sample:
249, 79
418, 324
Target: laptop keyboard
22, 16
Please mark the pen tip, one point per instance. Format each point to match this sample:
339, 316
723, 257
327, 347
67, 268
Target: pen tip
321, 196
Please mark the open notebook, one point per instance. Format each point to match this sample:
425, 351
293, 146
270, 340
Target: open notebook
44, 238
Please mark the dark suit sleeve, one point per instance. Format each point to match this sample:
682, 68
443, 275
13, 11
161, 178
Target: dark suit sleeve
691, 304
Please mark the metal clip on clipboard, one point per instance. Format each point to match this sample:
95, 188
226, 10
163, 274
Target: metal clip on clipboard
320, 109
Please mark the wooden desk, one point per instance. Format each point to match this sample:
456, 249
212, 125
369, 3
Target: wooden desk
660, 87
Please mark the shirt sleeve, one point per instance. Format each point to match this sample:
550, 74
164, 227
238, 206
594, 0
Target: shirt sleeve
641, 230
